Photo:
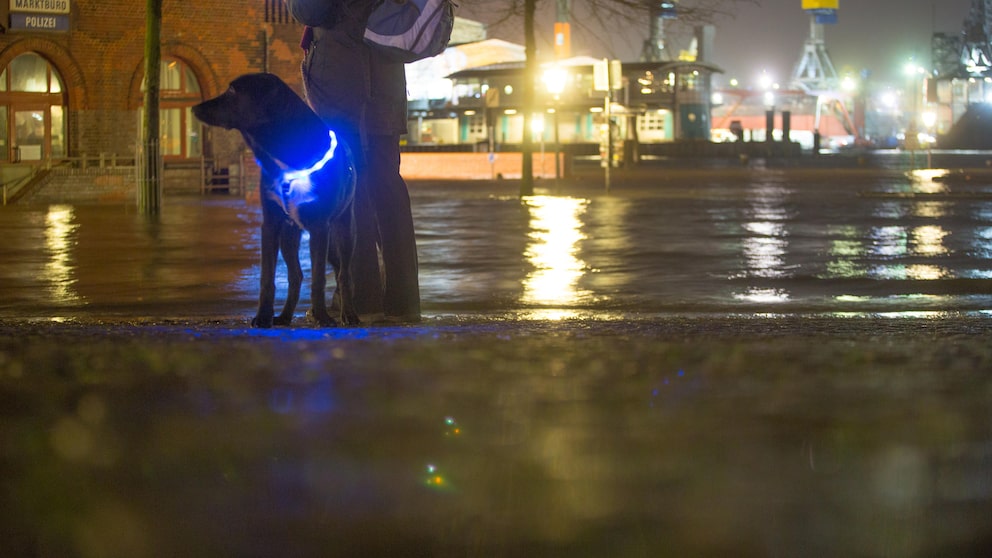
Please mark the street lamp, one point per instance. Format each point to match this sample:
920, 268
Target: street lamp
913, 72
929, 121
769, 100
554, 82
537, 129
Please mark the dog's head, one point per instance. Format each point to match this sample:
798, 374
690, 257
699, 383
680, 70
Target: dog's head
277, 124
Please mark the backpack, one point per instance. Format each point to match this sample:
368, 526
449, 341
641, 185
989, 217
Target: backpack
410, 30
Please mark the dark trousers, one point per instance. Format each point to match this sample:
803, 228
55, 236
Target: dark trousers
385, 235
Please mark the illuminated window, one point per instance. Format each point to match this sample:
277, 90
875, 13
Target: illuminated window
180, 133
32, 109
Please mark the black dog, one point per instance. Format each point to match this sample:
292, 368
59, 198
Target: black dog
308, 182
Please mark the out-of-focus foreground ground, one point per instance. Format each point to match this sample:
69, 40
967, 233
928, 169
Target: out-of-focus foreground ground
743, 363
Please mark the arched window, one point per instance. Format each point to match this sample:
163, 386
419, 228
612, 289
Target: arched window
179, 90
32, 110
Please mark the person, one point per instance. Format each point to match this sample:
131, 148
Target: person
362, 95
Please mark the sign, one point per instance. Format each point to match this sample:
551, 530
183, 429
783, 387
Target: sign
821, 4
492, 97
39, 22
824, 17
40, 6
563, 40
606, 75
668, 10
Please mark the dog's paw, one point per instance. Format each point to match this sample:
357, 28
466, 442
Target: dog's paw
350, 318
261, 322
322, 319
282, 320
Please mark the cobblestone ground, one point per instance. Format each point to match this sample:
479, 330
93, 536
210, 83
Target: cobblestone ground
495, 436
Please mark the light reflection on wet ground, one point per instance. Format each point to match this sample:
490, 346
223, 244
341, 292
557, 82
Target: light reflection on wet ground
771, 242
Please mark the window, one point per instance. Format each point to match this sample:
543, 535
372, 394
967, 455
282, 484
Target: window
180, 132
277, 12
32, 110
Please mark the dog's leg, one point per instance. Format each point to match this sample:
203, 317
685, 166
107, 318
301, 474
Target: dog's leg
272, 224
267, 280
289, 244
318, 274
343, 243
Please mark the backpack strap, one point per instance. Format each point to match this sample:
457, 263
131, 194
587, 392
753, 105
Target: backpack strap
307, 38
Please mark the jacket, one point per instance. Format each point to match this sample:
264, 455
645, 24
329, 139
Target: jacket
346, 82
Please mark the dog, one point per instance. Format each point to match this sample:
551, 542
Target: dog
308, 182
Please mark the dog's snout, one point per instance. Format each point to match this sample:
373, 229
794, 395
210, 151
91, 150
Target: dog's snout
209, 113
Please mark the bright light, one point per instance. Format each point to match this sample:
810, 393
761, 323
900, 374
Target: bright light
717, 98
889, 100
769, 99
537, 124
765, 81
848, 84
912, 68
554, 80
929, 118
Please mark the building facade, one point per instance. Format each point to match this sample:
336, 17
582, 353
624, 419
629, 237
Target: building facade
71, 74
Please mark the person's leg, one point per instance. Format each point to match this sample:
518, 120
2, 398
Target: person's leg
391, 199
365, 273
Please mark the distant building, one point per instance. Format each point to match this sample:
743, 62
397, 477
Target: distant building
959, 84
72, 74
470, 95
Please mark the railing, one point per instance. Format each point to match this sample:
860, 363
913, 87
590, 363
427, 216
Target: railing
232, 178
10, 189
276, 12
212, 179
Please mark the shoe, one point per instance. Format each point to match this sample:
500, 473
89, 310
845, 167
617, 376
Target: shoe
404, 319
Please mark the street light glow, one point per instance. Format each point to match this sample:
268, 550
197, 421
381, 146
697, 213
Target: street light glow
554, 80
765, 80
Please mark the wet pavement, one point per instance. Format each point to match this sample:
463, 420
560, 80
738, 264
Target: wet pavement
663, 241
738, 362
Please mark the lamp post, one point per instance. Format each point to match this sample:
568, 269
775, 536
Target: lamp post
929, 122
769, 100
537, 129
150, 186
554, 81
913, 71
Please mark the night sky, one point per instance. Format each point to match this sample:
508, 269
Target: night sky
878, 35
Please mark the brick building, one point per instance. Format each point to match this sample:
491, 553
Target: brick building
71, 74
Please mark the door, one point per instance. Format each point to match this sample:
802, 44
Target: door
29, 135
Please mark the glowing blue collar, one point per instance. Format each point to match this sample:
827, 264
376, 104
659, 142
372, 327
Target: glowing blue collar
296, 188
288, 177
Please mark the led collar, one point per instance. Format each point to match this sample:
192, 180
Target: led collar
288, 177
